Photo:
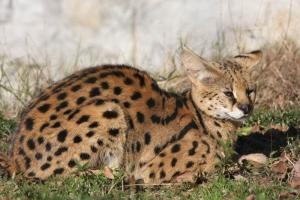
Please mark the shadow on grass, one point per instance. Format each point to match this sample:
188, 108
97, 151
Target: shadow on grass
271, 141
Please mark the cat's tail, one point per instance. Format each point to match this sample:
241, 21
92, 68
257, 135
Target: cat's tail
7, 165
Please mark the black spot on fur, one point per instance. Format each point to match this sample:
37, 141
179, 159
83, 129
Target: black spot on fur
192, 151
56, 125
173, 139
31, 174
31, 144
219, 134
138, 146
38, 156
113, 132
142, 164
161, 164
95, 92
126, 104
212, 137
217, 124
53, 117
60, 150
77, 139
163, 103
136, 96
99, 142
172, 116
85, 156
94, 125
76, 88
152, 175
155, 119
29, 123
179, 103
112, 73
91, 80
162, 154
45, 125
44, 108
128, 81
71, 163
115, 100
80, 100
21, 139
173, 162
207, 145
21, 151
40, 140
156, 150
75, 112
62, 96
48, 146
162, 174
140, 117
117, 90
195, 144
57, 88
131, 125
62, 105
169, 118
185, 130
45, 166
155, 87
147, 138
67, 112
61, 136
58, 171
175, 148
82, 119
150, 103
104, 85
189, 164
99, 102
90, 134
110, 114
94, 149
49, 158
141, 79
177, 173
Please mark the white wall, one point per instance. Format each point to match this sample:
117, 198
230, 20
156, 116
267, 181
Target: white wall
143, 32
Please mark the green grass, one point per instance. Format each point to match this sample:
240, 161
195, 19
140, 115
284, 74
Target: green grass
217, 186
289, 117
6, 126
98, 187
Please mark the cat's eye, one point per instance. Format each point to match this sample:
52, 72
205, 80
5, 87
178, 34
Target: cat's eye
249, 91
229, 94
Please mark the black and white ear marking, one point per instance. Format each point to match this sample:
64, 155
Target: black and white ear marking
198, 69
249, 60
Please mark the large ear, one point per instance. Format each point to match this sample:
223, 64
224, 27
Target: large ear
249, 60
198, 69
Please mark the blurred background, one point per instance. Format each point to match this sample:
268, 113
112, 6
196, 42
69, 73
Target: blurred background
42, 41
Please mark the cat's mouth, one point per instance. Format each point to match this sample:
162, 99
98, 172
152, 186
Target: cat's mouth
238, 119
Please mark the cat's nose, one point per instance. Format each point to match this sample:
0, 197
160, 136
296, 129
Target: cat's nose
246, 108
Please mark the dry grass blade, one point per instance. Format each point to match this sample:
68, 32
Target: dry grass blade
279, 82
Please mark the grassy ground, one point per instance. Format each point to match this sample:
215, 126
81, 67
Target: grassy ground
233, 180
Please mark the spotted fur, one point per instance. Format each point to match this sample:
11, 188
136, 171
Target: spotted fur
118, 116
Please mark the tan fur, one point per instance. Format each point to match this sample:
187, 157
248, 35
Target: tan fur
117, 116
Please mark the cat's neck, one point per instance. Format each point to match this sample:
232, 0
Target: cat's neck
218, 129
